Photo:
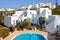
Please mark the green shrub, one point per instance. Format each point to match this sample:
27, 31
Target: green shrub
41, 21
56, 11
30, 27
23, 24
17, 25
1, 18
26, 24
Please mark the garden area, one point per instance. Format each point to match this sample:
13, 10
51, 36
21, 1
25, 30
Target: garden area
4, 31
28, 25
23, 24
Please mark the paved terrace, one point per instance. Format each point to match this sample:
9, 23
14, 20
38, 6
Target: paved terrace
15, 33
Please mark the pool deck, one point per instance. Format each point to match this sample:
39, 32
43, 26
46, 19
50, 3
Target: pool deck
15, 33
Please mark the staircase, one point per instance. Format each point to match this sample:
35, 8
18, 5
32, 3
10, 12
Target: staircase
57, 37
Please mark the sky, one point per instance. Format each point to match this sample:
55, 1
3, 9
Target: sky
19, 3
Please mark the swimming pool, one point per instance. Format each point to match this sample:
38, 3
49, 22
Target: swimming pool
29, 36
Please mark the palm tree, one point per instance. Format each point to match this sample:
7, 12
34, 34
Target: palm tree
41, 21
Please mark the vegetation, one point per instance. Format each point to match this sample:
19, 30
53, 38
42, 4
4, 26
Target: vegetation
1, 17
4, 31
17, 25
41, 21
23, 24
26, 23
33, 8
56, 11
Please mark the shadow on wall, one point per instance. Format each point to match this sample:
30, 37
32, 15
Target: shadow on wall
43, 13
50, 19
2, 24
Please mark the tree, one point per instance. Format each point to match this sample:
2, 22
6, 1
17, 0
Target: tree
41, 21
56, 11
17, 25
26, 24
1, 17
23, 24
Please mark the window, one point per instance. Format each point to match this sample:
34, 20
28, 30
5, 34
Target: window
38, 12
37, 21
57, 26
25, 14
48, 12
13, 22
28, 18
25, 19
17, 21
30, 13
32, 20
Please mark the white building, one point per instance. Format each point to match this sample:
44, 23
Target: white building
40, 5
36, 5
7, 9
53, 6
53, 24
30, 6
32, 15
10, 21
45, 12
10, 9
2, 9
45, 4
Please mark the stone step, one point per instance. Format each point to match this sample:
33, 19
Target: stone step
57, 39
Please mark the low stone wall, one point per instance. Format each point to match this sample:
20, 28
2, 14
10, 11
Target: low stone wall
1, 38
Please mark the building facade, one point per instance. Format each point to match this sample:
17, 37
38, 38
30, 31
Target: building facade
32, 15
53, 24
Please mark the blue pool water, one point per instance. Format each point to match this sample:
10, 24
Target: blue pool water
29, 37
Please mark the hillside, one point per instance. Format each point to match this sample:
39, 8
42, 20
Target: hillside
56, 11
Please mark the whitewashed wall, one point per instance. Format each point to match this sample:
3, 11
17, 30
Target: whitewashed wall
45, 12
50, 25
57, 22
14, 19
18, 13
8, 20
31, 14
53, 22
